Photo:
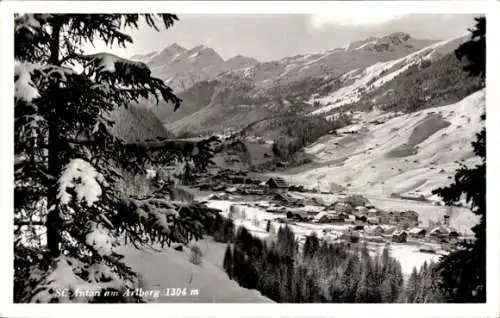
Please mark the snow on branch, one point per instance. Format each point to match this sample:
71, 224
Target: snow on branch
62, 277
130, 79
24, 86
65, 276
26, 74
171, 221
99, 239
85, 181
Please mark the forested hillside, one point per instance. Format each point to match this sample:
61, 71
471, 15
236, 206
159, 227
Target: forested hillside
138, 123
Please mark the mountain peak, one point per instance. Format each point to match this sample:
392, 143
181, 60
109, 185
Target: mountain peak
240, 61
173, 48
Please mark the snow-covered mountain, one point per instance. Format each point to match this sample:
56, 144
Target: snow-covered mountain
362, 80
181, 68
240, 61
356, 75
334, 62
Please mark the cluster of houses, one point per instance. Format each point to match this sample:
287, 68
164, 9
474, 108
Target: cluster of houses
375, 223
364, 217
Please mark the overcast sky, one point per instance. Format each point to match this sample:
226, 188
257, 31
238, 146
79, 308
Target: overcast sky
274, 36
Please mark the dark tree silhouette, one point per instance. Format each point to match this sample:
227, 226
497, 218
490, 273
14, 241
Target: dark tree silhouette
463, 273
228, 261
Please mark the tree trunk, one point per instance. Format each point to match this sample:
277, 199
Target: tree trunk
54, 221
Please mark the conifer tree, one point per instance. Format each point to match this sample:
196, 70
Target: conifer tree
228, 261
463, 273
311, 245
66, 157
412, 286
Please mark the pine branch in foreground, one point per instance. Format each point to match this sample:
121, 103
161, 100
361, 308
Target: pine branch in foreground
70, 213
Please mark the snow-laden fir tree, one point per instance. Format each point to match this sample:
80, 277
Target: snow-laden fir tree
66, 158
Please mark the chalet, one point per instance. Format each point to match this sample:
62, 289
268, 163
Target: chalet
361, 209
388, 229
373, 220
297, 215
342, 207
443, 231
399, 236
417, 232
376, 230
373, 211
325, 217
322, 217
277, 183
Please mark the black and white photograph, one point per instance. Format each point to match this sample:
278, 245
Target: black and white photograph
164, 157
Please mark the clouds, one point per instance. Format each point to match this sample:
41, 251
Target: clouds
343, 18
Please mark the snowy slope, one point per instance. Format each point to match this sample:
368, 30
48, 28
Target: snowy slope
364, 162
171, 269
363, 80
407, 155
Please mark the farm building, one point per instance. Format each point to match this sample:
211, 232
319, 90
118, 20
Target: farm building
399, 236
351, 217
443, 231
373, 211
361, 209
373, 220
297, 215
340, 206
277, 183
417, 232
388, 229
325, 217
376, 230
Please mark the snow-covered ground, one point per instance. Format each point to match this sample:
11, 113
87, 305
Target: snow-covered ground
171, 270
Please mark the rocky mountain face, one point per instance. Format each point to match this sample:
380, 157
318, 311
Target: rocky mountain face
181, 68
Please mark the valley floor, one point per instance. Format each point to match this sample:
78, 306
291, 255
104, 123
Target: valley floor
255, 220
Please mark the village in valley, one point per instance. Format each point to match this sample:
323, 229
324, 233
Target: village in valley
263, 203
